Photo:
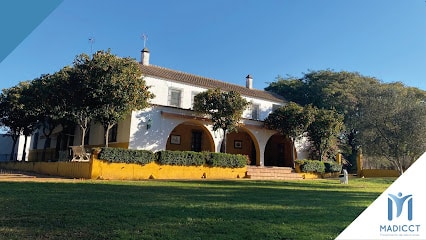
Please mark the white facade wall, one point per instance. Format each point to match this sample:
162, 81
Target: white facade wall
160, 88
155, 138
96, 133
6, 144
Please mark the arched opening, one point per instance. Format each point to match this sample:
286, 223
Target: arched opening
278, 151
243, 142
190, 136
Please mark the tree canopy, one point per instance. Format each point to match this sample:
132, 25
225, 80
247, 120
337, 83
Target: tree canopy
393, 123
291, 120
364, 102
323, 133
16, 114
224, 108
102, 88
109, 88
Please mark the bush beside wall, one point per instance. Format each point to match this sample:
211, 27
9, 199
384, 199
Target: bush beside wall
227, 160
120, 155
332, 167
313, 166
181, 158
173, 158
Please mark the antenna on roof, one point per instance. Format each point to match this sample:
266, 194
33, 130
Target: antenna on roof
91, 41
145, 38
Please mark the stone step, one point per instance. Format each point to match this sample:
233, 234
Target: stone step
272, 173
274, 178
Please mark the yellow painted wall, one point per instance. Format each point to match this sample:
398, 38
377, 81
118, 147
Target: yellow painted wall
123, 171
97, 169
64, 169
369, 173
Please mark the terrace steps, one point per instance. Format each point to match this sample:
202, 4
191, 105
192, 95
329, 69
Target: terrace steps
272, 173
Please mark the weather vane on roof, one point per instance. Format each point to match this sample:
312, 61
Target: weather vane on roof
145, 38
91, 41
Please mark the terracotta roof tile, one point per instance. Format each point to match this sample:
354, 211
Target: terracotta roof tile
177, 76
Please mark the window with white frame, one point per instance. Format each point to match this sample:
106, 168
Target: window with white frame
193, 93
175, 97
255, 111
275, 107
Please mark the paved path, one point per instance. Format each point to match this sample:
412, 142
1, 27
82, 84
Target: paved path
16, 176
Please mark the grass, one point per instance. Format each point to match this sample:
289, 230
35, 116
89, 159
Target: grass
309, 209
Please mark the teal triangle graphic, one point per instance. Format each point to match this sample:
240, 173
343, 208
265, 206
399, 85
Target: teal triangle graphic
18, 18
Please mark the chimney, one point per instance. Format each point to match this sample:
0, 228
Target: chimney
145, 56
249, 82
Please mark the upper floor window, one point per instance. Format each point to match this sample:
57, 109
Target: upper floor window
275, 107
193, 93
255, 112
175, 97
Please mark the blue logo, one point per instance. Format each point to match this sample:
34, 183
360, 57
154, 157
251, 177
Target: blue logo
399, 204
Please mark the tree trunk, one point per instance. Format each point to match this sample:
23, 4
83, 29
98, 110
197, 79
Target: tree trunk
224, 139
292, 152
46, 143
47, 131
83, 127
83, 134
106, 131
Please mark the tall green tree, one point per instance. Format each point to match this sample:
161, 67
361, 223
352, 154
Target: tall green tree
82, 80
291, 120
393, 122
328, 89
117, 88
16, 114
224, 108
106, 89
47, 102
324, 131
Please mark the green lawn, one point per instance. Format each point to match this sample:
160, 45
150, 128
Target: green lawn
309, 209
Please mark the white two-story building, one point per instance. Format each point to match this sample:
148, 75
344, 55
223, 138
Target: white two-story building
171, 124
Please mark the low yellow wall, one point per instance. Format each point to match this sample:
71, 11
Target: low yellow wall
64, 169
319, 175
97, 169
123, 171
314, 175
378, 173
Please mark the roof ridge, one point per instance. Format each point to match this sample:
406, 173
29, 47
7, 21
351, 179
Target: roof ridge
211, 82
195, 75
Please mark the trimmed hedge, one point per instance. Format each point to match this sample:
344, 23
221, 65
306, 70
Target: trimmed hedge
181, 158
227, 160
121, 155
311, 166
178, 158
331, 166
318, 166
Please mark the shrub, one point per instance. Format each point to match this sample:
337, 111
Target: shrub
332, 166
178, 158
312, 166
227, 160
121, 155
181, 158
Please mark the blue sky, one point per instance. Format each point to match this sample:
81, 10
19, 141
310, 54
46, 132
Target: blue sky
228, 39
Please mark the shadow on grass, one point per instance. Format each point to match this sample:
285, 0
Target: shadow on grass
180, 210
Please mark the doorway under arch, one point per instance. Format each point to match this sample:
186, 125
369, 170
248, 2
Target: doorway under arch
243, 142
190, 136
278, 151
